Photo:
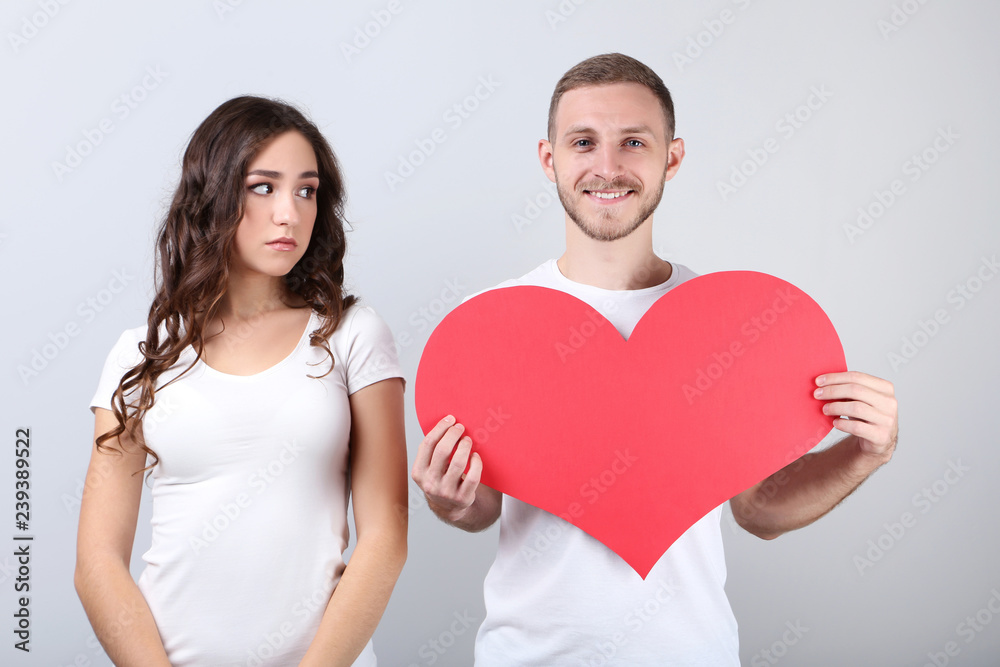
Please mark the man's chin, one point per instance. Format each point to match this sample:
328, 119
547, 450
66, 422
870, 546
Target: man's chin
608, 231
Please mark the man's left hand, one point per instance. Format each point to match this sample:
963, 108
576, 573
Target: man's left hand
870, 405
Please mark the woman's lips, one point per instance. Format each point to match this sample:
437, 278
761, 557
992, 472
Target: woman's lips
283, 244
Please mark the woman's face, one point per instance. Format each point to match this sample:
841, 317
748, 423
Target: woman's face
280, 207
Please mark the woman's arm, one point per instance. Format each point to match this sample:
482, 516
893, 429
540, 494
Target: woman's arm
378, 488
108, 512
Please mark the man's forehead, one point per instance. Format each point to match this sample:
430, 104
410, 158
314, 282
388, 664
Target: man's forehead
627, 105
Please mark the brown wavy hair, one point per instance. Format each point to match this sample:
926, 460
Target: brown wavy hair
195, 245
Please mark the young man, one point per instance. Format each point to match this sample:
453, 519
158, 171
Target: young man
566, 599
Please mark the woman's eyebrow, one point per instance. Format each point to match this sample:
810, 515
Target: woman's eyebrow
267, 173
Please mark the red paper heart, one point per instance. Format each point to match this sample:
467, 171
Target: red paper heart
633, 441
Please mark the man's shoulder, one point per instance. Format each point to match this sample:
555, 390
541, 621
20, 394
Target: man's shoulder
682, 273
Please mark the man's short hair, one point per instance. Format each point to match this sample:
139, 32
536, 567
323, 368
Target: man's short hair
612, 68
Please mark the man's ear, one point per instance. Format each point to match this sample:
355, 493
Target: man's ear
675, 155
545, 158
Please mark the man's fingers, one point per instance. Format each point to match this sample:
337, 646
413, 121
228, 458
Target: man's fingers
867, 432
453, 474
885, 403
856, 410
426, 448
475, 472
855, 377
441, 457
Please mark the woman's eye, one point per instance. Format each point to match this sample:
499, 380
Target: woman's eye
262, 188
307, 191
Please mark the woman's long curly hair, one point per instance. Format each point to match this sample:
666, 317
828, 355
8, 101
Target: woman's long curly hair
196, 240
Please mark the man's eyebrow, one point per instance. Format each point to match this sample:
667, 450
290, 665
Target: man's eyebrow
584, 129
267, 173
638, 129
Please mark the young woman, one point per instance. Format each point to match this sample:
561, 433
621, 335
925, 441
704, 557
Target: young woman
260, 397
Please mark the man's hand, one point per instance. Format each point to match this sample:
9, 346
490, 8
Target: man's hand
869, 403
810, 487
452, 493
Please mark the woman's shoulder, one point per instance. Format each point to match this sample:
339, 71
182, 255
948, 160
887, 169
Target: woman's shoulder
128, 341
358, 319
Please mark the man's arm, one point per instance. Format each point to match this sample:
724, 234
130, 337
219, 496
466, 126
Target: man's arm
808, 488
457, 498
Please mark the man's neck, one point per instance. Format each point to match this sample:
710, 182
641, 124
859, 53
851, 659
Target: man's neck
625, 264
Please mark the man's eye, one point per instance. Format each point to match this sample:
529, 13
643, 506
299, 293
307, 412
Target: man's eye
262, 188
582, 143
634, 143
307, 191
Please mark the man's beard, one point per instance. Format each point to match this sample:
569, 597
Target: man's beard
609, 232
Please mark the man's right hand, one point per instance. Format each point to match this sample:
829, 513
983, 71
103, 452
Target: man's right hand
455, 495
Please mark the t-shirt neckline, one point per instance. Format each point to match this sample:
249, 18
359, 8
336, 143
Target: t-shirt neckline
310, 327
662, 287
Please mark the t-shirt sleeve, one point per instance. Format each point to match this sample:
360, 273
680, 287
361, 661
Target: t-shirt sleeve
371, 350
123, 356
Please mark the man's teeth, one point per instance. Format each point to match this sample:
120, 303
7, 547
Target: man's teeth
609, 195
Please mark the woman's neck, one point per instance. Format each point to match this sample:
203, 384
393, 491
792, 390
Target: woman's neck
246, 299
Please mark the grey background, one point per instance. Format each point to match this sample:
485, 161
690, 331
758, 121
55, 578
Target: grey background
449, 230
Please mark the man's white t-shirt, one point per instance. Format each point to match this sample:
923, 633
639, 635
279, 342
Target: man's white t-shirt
556, 596
249, 495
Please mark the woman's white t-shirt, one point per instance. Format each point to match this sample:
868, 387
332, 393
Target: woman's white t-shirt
250, 493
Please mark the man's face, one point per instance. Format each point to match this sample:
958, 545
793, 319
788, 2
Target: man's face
609, 157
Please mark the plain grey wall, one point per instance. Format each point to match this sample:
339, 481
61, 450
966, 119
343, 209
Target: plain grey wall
908, 93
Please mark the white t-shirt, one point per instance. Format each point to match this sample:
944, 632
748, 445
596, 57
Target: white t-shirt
250, 494
557, 596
